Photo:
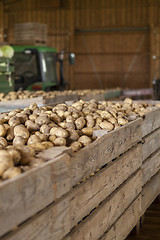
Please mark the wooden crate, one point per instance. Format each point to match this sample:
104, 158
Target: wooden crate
87, 195
150, 158
25, 33
50, 193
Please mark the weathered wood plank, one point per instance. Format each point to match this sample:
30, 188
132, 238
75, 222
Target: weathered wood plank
20, 103
52, 223
150, 191
104, 149
32, 191
86, 196
88, 97
125, 223
60, 99
151, 144
150, 167
108, 212
151, 122
23, 102
92, 192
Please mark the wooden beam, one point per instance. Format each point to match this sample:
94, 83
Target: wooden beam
71, 29
1, 21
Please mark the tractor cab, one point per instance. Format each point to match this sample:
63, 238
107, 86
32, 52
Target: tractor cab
35, 68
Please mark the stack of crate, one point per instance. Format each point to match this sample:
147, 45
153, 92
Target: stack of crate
98, 193
150, 158
30, 33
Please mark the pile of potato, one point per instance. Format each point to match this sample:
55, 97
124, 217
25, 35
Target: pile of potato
28, 94
25, 133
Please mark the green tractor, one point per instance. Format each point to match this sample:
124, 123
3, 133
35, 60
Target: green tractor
35, 68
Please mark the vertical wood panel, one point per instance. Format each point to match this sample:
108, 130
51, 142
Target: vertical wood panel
1, 22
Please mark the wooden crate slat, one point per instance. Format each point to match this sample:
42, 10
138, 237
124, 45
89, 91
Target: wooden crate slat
128, 219
151, 122
104, 150
150, 191
108, 212
151, 144
86, 196
23, 102
23, 197
60, 99
91, 193
150, 167
52, 223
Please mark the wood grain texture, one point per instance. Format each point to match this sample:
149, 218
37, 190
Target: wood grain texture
128, 219
92, 192
108, 212
151, 144
150, 191
24, 196
151, 122
60, 99
80, 201
104, 149
52, 223
23, 102
150, 167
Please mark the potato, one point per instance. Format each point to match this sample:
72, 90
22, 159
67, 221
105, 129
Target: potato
24, 168
43, 119
73, 135
37, 146
33, 106
35, 162
21, 131
122, 121
42, 136
14, 112
90, 121
27, 152
11, 173
31, 126
5, 161
69, 119
87, 131
55, 118
60, 113
59, 132
106, 125
105, 115
33, 139
98, 120
45, 129
2, 130
60, 141
14, 121
14, 154
6, 126
128, 101
33, 117
22, 117
47, 144
70, 125
85, 140
19, 140
112, 120
52, 138
10, 134
76, 146
3, 142
80, 123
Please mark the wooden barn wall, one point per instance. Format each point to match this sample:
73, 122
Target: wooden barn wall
1, 21
105, 57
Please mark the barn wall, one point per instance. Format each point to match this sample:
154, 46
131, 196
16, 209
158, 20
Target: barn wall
112, 39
